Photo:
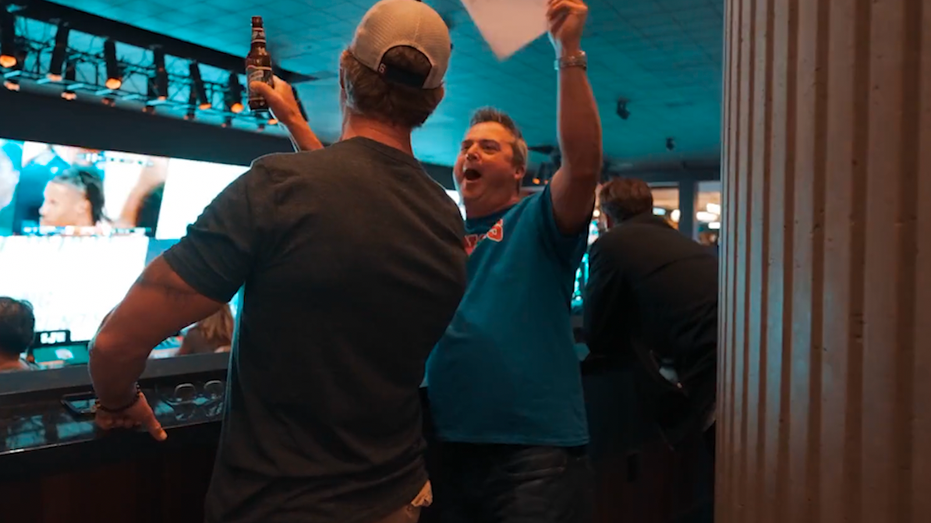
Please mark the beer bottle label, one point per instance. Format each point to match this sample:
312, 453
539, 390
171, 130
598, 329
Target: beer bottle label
258, 34
258, 74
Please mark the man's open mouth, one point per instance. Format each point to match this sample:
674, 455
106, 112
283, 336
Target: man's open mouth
471, 175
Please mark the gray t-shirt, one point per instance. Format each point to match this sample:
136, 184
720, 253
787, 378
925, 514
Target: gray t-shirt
353, 264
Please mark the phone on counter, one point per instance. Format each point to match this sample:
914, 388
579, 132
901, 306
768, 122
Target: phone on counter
80, 404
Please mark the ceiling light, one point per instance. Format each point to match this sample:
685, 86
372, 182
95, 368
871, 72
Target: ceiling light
8, 52
197, 87
622, 109
114, 72
160, 84
703, 216
233, 96
713, 208
57, 61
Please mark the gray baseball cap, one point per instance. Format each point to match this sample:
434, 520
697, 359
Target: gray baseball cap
403, 23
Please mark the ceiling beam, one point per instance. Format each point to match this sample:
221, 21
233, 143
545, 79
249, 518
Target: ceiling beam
98, 26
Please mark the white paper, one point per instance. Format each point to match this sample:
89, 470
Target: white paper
508, 25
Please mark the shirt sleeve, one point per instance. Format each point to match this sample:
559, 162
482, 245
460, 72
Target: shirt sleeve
220, 249
570, 248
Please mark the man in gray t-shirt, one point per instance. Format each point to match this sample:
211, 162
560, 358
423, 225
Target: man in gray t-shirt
352, 263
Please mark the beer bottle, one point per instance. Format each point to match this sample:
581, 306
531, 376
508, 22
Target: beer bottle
258, 65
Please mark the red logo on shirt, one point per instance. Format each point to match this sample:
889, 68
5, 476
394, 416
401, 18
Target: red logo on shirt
495, 234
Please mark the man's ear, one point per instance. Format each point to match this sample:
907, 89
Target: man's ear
84, 206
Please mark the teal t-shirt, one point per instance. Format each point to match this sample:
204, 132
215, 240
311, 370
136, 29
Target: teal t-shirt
506, 370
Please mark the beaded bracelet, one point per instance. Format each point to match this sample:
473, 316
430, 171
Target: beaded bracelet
129, 405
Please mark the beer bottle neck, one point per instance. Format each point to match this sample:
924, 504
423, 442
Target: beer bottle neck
258, 35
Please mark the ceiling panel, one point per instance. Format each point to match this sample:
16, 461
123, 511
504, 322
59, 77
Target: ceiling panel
664, 56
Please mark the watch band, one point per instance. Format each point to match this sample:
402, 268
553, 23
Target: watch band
578, 59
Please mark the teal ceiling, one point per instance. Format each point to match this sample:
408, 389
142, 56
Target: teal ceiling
664, 56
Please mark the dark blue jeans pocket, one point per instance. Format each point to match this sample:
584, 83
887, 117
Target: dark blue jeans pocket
533, 463
542, 485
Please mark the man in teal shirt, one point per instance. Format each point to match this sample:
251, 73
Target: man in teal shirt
504, 383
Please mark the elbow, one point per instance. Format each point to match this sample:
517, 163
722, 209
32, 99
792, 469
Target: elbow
104, 347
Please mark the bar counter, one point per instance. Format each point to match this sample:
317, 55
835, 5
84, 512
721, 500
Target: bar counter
57, 467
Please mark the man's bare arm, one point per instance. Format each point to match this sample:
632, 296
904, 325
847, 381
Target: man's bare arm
284, 106
579, 126
158, 305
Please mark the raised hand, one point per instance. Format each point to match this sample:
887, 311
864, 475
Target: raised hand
285, 109
280, 99
566, 19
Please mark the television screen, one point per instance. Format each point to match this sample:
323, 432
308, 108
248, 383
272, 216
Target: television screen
77, 225
72, 282
190, 187
63, 190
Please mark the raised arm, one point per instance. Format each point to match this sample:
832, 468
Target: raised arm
286, 110
579, 126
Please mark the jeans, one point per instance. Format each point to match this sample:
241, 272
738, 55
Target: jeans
513, 484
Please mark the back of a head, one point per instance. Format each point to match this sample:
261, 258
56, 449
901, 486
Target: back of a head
218, 327
624, 198
90, 182
393, 69
17, 326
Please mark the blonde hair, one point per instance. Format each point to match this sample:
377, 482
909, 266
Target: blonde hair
217, 328
370, 95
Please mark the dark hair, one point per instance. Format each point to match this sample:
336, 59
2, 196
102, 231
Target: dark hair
623, 198
371, 95
519, 145
147, 217
89, 181
17, 326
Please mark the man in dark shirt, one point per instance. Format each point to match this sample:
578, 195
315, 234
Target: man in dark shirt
353, 265
652, 302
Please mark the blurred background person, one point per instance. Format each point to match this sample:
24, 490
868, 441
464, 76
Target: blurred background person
211, 334
17, 330
651, 310
651, 305
73, 198
144, 201
11, 155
